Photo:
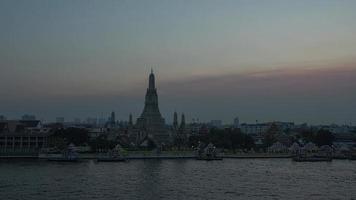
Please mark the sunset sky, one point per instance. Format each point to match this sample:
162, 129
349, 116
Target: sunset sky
258, 60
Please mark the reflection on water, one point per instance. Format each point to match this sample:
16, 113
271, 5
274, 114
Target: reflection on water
178, 179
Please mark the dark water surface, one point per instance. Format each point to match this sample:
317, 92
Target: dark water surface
178, 179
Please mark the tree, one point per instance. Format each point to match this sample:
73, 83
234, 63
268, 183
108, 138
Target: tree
78, 136
270, 136
307, 135
323, 137
225, 138
248, 142
101, 143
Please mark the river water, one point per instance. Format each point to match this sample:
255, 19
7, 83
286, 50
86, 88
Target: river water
178, 179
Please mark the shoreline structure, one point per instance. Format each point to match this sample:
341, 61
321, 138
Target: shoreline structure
161, 156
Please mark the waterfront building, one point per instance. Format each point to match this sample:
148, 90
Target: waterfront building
22, 137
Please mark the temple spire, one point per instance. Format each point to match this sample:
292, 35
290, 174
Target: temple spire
175, 120
182, 123
130, 120
151, 84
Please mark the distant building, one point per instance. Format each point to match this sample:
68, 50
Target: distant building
60, 120
262, 128
254, 129
100, 122
284, 126
182, 122
77, 121
236, 123
92, 121
216, 124
175, 121
197, 128
336, 129
112, 120
2, 118
28, 117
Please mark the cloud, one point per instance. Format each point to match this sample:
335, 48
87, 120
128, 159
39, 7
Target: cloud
298, 94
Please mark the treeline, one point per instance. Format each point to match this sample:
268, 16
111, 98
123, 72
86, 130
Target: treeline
80, 137
232, 139
320, 137
62, 137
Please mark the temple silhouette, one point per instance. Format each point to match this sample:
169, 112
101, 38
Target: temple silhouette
151, 121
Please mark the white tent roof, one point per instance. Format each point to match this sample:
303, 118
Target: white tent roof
294, 147
325, 148
278, 146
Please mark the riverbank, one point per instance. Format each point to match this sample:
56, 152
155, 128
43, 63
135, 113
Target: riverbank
150, 155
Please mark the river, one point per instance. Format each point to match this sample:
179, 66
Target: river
178, 179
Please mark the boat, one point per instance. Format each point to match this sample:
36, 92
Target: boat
209, 159
63, 159
108, 159
352, 156
324, 154
209, 153
311, 159
352, 153
69, 155
115, 155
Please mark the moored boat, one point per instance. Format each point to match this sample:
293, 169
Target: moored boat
208, 153
69, 155
311, 159
108, 159
209, 159
63, 159
324, 153
115, 155
352, 156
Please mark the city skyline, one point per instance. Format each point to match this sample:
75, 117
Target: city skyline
281, 60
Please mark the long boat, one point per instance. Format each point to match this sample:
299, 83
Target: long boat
208, 153
63, 159
209, 158
69, 155
312, 159
111, 159
352, 156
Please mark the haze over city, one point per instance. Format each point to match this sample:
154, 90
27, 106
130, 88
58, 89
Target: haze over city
272, 60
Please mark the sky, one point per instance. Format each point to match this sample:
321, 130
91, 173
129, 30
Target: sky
270, 60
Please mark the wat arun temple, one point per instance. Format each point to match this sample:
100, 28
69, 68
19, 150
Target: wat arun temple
150, 126
151, 120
